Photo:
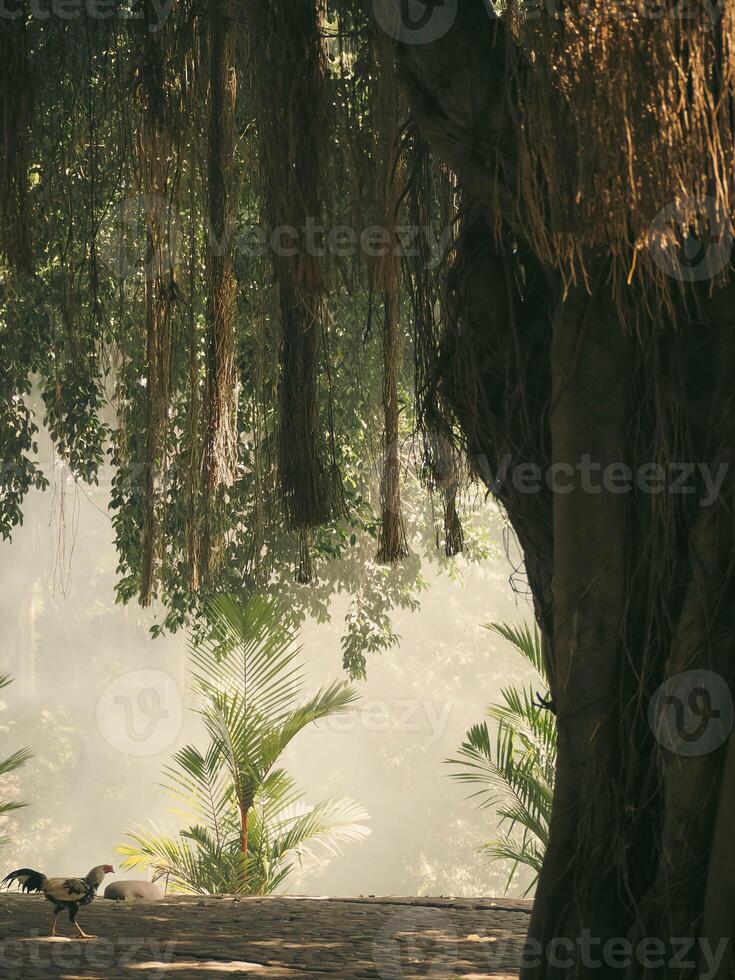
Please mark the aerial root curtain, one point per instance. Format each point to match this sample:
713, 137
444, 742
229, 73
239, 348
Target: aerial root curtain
432, 203
388, 174
155, 181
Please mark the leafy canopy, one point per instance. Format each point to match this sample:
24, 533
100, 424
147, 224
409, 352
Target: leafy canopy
236, 398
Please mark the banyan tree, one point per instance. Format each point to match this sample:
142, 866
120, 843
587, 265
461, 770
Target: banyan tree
203, 222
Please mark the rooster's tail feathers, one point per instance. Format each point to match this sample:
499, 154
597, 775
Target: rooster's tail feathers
26, 879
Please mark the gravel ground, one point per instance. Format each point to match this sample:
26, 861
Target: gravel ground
274, 938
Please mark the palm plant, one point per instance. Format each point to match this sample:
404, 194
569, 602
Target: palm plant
248, 824
11, 764
514, 772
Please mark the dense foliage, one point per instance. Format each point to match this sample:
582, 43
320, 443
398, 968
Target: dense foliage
174, 333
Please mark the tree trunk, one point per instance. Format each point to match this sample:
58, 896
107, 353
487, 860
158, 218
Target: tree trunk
591, 372
633, 588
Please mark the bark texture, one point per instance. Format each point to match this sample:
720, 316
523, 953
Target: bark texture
631, 588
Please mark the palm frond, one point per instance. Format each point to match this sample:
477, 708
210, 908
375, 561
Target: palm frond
191, 863
515, 772
198, 781
525, 852
319, 830
525, 639
11, 764
15, 761
331, 700
247, 650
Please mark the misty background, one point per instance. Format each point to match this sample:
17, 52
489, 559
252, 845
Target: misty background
103, 706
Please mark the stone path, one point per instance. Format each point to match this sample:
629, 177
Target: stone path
274, 938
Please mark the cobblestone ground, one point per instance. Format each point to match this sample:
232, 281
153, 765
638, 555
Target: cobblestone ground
273, 938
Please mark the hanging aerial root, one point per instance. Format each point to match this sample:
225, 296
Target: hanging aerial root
305, 568
222, 380
431, 191
15, 120
393, 542
446, 475
389, 176
288, 64
618, 109
154, 150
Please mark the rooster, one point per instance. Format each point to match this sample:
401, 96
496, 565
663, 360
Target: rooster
63, 893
